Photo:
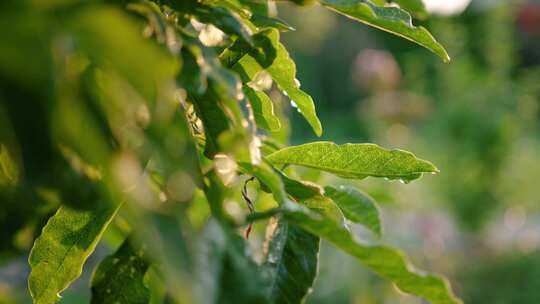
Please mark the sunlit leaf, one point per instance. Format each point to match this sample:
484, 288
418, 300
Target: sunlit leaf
270, 55
357, 206
390, 19
356, 161
59, 253
119, 277
263, 109
385, 261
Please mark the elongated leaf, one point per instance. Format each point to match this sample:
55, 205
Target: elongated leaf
119, 277
356, 161
291, 261
225, 272
357, 206
59, 253
385, 261
271, 55
263, 109
391, 19
214, 120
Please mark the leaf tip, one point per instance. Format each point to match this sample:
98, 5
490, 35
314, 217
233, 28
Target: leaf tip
446, 58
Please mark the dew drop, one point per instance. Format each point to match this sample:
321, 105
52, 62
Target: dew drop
293, 104
297, 83
240, 95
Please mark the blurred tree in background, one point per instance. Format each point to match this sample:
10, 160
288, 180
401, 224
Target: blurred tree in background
477, 118
146, 137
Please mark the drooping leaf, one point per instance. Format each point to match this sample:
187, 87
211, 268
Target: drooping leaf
357, 206
356, 161
119, 277
168, 245
290, 261
391, 19
263, 109
225, 272
270, 55
65, 243
385, 261
214, 120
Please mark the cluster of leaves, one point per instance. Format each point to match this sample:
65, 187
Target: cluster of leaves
127, 115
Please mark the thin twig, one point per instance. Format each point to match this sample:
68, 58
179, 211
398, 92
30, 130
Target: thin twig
249, 203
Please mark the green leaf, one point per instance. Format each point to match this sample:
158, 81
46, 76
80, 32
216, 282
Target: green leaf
65, 243
357, 206
214, 120
321, 221
270, 55
119, 277
391, 19
310, 195
263, 109
224, 19
114, 48
385, 261
262, 21
291, 261
9, 172
224, 271
416, 7
356, 161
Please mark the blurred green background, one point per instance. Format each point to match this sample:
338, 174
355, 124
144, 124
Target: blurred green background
477, 119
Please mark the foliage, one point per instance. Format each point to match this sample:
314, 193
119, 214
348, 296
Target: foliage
138, 112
